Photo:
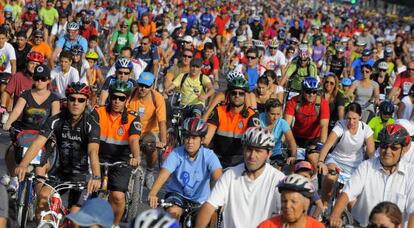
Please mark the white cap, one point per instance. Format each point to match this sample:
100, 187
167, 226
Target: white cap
188, 38
184, 20
241, 38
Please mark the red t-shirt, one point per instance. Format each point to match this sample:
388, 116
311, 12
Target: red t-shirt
403, 82
276, 222
221, 24
307, 123
19, 83
209, 65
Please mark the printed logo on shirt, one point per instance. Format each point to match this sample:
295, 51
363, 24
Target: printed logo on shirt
120, 130
240, 125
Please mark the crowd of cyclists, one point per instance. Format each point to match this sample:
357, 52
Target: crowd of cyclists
281, 104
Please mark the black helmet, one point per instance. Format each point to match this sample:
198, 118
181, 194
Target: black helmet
386, 107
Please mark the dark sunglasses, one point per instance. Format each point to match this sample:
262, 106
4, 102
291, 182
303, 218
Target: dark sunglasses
123, 73
79, 100
143, 86
40, 37
251, 57
310, 91
366, 71
237, 94
120, 98
382, 70
391, 146
144, 43
330, 83
43, 79
187, 56
411, 69
273, 48
195, 66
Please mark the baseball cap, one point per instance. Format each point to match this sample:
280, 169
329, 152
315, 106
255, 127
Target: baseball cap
41, 71
188, 38
38, 33
303, 165
184, 20
197, 62
146, 78
93, 212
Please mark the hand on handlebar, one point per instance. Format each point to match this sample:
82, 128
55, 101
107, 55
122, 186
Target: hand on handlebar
335, 221
322, 168
6, 126
20, 172
291, 160
134, 162
160, 145
2, 110
93, 185
153, 201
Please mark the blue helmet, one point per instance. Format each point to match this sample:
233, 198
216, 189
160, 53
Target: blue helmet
346, 82
203, 29
123, 63
310, 83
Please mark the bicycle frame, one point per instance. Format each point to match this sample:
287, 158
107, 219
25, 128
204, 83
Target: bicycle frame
189, 210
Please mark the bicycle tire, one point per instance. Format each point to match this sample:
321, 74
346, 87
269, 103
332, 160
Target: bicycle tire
347, 218
135, 190
23, 206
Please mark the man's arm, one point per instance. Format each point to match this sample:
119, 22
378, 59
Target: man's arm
134, 147
335, 218
163, 132
204, 215
210, 134
159, 182
102, 98
5, 98
13, 66
93, 151
215, 176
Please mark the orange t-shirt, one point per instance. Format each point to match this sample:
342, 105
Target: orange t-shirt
43, 48
276, 222
147, 30
150, 109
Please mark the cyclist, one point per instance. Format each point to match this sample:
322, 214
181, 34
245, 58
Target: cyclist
120, 39
77, 139
22, 48
40, 45
252, 69
182, 67
229, 121
211, 63
337, 63
358, 64
274, 59
119, 139
403, 82
138, 65
35, 106
311, 113
245, 188
64, 74
151, 108
149, 54
192, 169
371, 181
123, 72
79, 63
405, 107
386, 110
296, 194
93, 72
386, 214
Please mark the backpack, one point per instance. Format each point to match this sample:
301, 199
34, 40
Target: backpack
200, 78
297, 69
317, 104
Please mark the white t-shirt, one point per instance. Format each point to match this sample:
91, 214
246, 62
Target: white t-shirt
408, 109
60, 81
138, 67
82, 76
58, 30
6, 54
247, 203
275, 62
350, 148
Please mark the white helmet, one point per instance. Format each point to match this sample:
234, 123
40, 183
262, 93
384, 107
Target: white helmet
73, 26
154, 218
258, 137
383, 65
234, 74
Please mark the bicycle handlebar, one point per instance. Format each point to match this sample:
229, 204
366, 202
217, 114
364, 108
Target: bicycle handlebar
118, 163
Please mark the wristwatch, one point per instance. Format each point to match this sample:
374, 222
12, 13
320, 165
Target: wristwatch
96, 177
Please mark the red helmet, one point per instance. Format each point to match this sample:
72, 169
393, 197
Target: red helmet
394, 134
195, 127
78, 88
35, 56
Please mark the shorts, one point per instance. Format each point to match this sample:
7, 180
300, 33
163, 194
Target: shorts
76, 197
4, 202
179, 200
346, 170
118, 178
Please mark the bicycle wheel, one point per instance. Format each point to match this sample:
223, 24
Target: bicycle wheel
23, 204
135, 191
347, 218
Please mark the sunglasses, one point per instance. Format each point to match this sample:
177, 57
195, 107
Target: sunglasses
79, 100
309, 91
187, 42
330, 83
237, 94
366, 71
123, 73
143, 86
251, 57
382, 70
39, 37
272, 48
411, 69
392, 147
144, 43
43, 79
187, 56
120, 98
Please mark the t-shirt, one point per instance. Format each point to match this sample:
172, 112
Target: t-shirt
276, 222
7, 53
364, 94
66, 44
350, 147
275, 62
21, 57
377, 125
138, 66
307, 123
148, 29
299, 73
49, 16
18, 83
149, 58
404, 82
357, 64
209, 65
151, 110
191, 179
43, 48
112, 79
122, 40
177, 70
34, 114
189, 97
279, 128
246, 203
60, 80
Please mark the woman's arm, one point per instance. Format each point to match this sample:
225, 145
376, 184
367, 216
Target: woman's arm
14, 115
55, 107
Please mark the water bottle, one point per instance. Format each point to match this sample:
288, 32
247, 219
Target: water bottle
105, 183
4, 118
55, 202
5, 180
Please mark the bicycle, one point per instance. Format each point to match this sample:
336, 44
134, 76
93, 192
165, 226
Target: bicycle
189, 215
175, 132
134, 193
26, 197
103, 192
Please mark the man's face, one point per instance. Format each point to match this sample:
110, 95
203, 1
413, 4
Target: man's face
195, 70
237, 97
192, 144
118, 102
143, 90
187, 57
21, 41
251, 59
145, 44
293, 206
38, 39
126, 54
77, 104
208, 53
310, 95
254, 157
390, 154
72, 34
123, 74
410, 67
3, 39
31, 65
65, 63
145, 20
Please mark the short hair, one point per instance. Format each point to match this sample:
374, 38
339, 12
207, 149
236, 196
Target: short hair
66, 54
270, 73
369, 67
209, 45
253, 50
354, 107
93, 38
272, 103
263, 80
390, 209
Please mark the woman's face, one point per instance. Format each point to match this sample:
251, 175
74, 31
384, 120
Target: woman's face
273, 114
134, 28
366, 73
262, 88
329, 84
380, 220
353, 119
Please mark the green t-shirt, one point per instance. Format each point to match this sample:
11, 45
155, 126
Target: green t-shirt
122, 40
296, 77
376, 125
49, 16
189, 97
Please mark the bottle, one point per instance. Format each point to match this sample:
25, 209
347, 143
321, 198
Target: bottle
55, 202
4, 117
105, 183
5, 180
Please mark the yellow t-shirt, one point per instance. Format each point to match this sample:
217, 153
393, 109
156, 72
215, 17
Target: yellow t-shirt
190, 87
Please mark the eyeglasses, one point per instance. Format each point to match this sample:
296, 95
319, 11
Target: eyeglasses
120, 98
123, 73
382, 70
144, 44
79, 100
143, 86
366, 71
393, 147
291, 52
330, 83
251, 57
187, 56
272, 48
237, 93
43, 79
371, 225
187, 42
310, 91
38, 37
196, 66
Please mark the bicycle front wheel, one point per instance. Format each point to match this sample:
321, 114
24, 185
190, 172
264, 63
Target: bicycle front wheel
23, 204
135, 189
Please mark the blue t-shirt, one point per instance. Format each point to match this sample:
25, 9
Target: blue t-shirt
280, 128
66, 44
252, 75
191, 179
357, 64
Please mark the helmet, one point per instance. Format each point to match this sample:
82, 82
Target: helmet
78, 88
274, 43
386, 107
297, 183
361, 42
76, 49
120, 87
234, 74
258, 44
86, 19
340, 48
238, 83
346, 82
123, 63
388, 51
195, 127
366, 52
73, 26
91, 55
281, 36
394, 134
258, 137
383, 65
310, 83
154, 218
203, 29
35, 56
30, 6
